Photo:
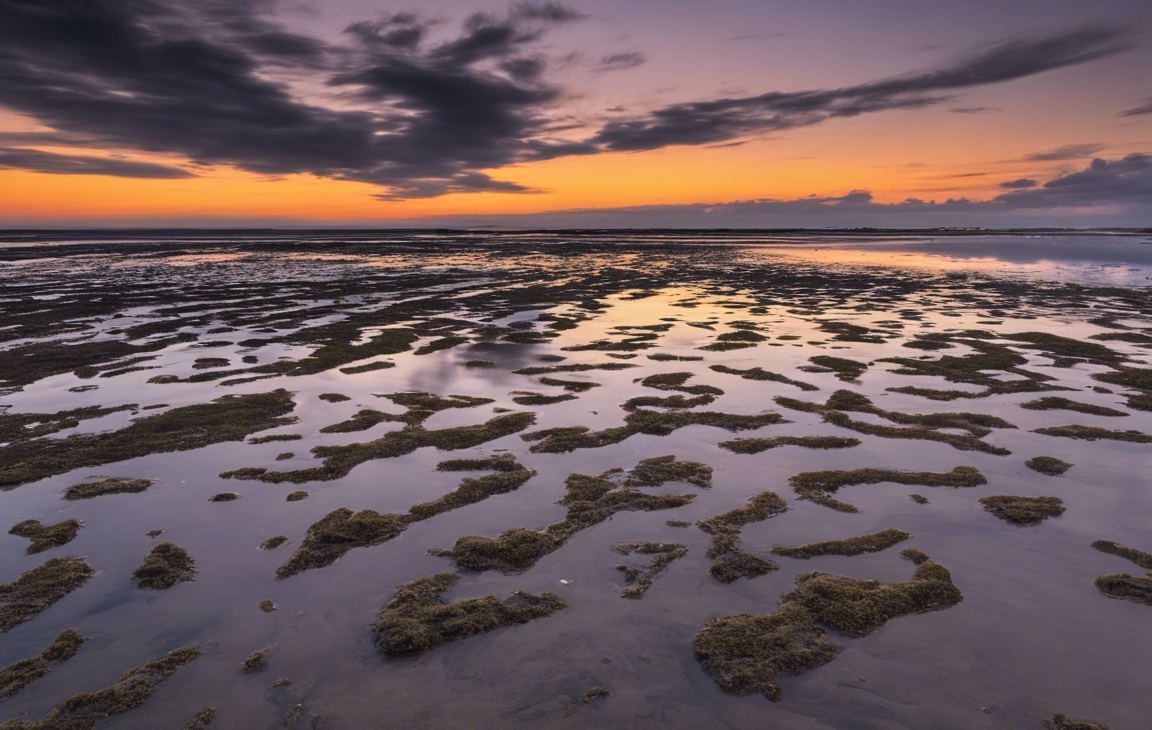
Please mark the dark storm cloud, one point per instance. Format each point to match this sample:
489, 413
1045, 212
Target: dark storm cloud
706, 122
1021, 184
428, 116
1126, 181
1067, 152
15, 158
189, 78
1145, 107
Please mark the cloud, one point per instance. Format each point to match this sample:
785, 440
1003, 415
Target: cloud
1067, 152
974, 109
418, 116
1145, 107
15, 158
622, 61
1021, 184
708, 122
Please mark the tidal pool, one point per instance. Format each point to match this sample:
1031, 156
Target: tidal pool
399, 406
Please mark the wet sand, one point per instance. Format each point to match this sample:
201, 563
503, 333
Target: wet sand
495, 407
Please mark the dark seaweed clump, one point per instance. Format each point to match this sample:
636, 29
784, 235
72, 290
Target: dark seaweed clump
852, 546
1060, 722
750, 653
756, 445
845, 369
590, 501
639, 580
340, 460
165, 566
660, 469
224, 497
296, 496
596, 693
1023, 510
45, 537
273, 542
253, 661
758, 373
202, 720
1124, 585
1139, 557
229, 418
82, 711
23, 673
1092, 433
1049, 465
342, 530
570, 438
37, 589
89, 490
729, 561
333, 397
22, 426
927, 426
818, 486
418, 618
1053, 403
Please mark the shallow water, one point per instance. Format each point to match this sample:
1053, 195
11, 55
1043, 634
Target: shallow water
1032, 636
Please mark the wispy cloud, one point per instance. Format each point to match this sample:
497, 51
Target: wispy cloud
1144, 107
1067, 152
15, 158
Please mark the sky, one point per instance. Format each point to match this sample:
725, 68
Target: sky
584, 113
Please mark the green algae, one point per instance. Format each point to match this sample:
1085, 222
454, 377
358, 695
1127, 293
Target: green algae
918, 498
224, 497
666, 357
660, 469
342, 530
758, 373
572, 386
672, 401
818, 486
23, 673
678, 523
443, 343
639, 580
229, 418
852, 546
845, 369
23, 426
1053, 403
360, 421
926, 427
676, 381
297, 496
254, 662
733, 565
596, 693
35, 590
1049, 465
1023, 510
165, 566
202, 720
528, 398
273, 542
82, 711
1126, 587
757, 445
590, 500
418, 618
266, 605
1093, 433
285, 456
46, 537
333, 397
90, 490
275, 437
563, 439
338, 461
1060, 722
1139, 557
575, 368
759, 508
367, 368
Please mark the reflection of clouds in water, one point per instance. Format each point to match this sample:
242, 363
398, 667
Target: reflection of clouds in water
443, 372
